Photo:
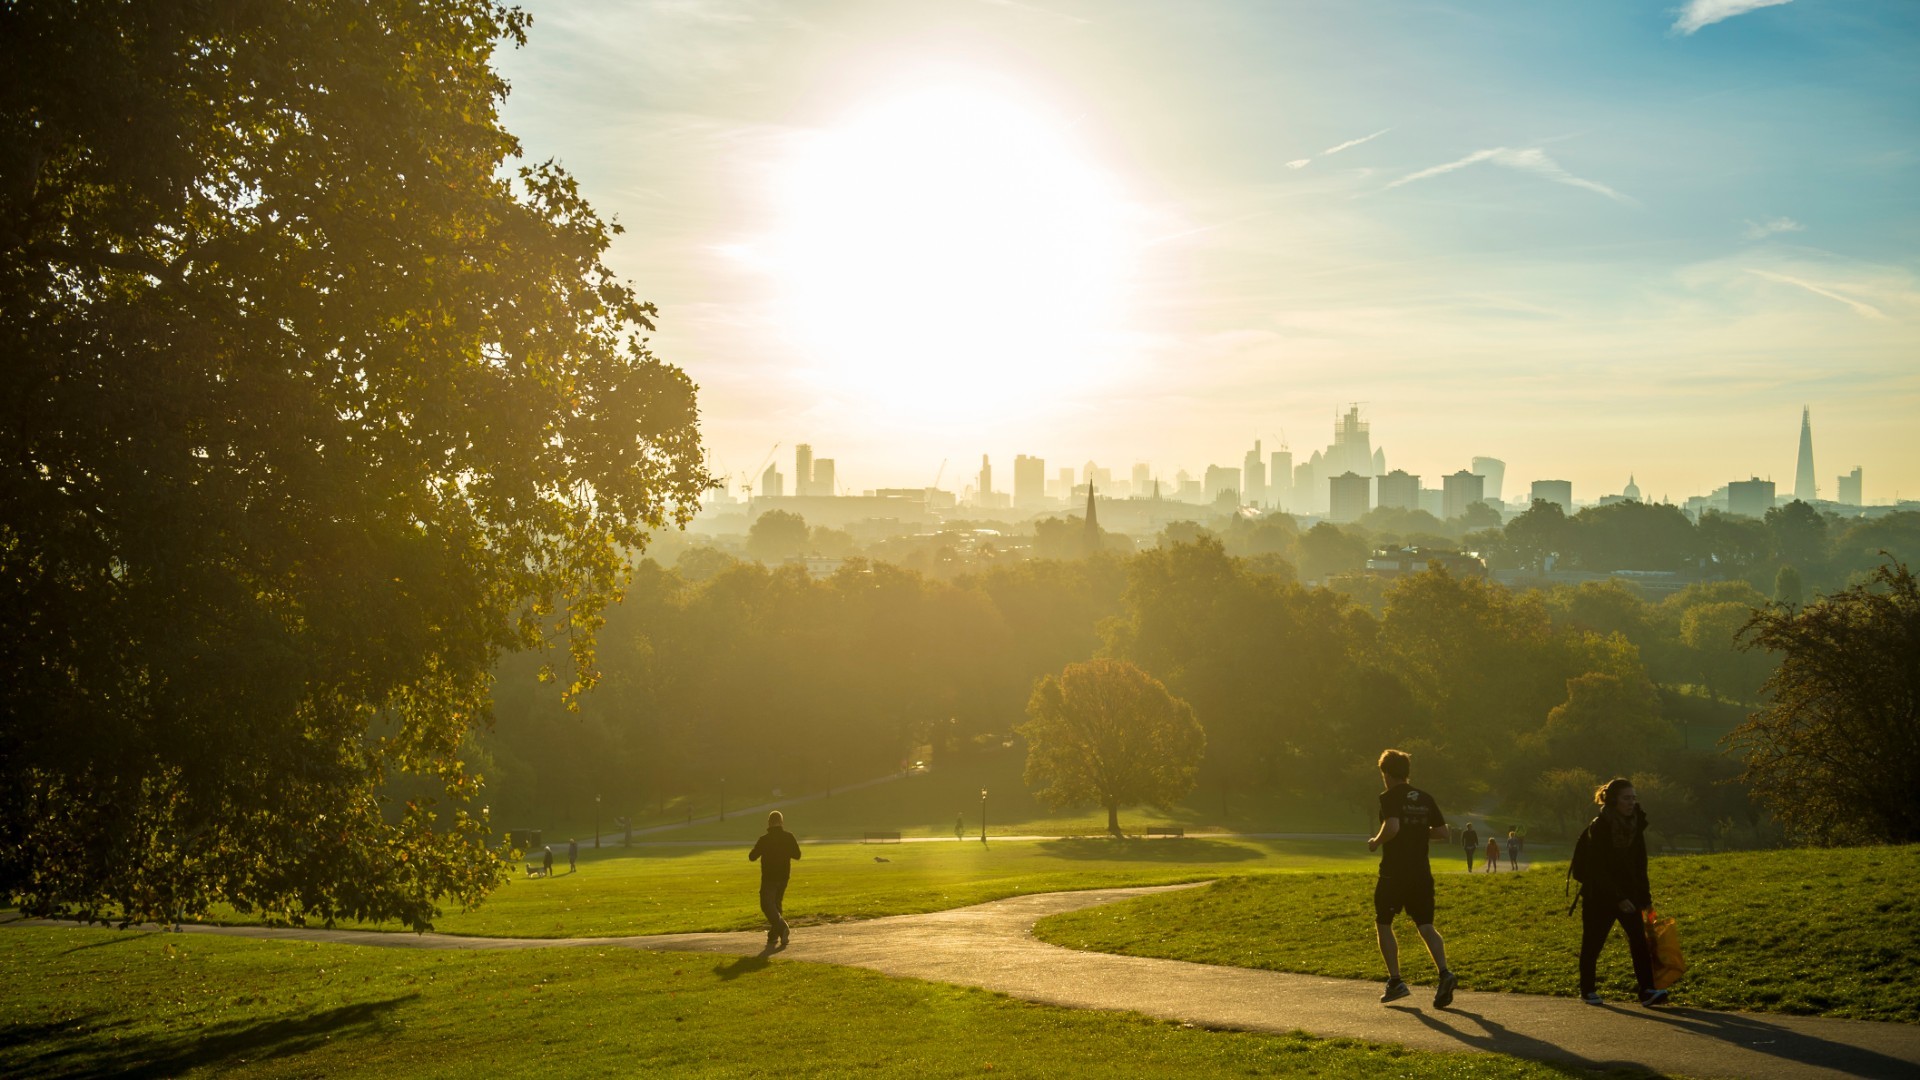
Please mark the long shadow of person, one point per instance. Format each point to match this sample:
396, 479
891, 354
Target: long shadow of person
1774, 1039
1499, 1039
744, 965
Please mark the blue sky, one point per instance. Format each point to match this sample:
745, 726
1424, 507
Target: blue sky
1575, 236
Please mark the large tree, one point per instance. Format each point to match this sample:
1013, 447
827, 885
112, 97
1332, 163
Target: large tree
1106, 733
1835, 751
315, 404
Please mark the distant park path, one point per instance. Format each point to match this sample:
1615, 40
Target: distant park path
990, 946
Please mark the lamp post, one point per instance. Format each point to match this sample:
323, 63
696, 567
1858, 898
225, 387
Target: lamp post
983, 815
723, 798
596, 823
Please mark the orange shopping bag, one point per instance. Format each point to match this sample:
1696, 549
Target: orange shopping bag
1663, 943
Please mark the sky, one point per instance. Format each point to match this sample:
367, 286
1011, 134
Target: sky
1594, 240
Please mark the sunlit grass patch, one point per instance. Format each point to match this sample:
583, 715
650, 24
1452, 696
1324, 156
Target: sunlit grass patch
1832, 932
89, 1002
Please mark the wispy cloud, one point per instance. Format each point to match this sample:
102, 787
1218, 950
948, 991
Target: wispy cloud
1859, 306
1699, 13
1531, 160
1301, 163
1760, 230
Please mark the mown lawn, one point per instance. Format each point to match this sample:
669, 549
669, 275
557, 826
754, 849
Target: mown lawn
90, 1002
1833, 932
671, 890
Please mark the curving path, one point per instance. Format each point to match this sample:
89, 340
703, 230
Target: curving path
991, 946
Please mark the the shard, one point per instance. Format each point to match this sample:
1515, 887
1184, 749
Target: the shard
1803, 485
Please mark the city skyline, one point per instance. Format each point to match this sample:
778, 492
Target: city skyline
1591, 240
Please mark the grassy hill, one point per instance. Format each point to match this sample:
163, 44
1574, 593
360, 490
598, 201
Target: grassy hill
1831, 932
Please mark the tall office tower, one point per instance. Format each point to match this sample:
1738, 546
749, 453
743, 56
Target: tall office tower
1220, 481
1349, 497
772, 483
1352, 447
1848, 492
1142, 479
803, 469
1750, 498
1280, 479
1803, 485
1461, 490
1307, 486
1400, 490
1493, 471
986, 476
1066, 484
823, 482
1253, 476
1029, 481
1559, 492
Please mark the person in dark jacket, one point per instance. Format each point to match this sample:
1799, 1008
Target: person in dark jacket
775, 852
1472, 841
1616, 889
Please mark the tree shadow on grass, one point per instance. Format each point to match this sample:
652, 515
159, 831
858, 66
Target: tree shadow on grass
91, 1046
1136, 849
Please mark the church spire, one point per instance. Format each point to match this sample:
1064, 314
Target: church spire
1093, 522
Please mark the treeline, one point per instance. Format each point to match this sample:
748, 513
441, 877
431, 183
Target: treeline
768, 680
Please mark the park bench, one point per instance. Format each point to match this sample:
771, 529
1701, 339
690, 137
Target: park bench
1166, 830
882, 838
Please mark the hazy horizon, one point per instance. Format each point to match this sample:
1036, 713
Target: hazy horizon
1593, 241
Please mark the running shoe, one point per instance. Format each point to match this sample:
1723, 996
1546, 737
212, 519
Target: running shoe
1396, 989
1592, 998
1654, 997
1443, 994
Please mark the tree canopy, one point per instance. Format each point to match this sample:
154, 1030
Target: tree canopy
1106, 733
316, 405
1835, 750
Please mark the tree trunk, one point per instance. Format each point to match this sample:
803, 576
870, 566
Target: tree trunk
1113, 818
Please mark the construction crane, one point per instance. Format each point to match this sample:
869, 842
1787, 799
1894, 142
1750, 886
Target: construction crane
754, 476
937, 475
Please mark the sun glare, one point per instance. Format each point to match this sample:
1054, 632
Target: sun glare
947, 248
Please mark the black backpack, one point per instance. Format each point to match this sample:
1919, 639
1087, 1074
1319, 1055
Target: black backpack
1580, 867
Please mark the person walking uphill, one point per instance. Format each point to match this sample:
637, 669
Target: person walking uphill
1610, 861
1409, 820
775, 851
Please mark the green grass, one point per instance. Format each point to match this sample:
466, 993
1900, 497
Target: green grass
668, 890
1833, 933
88, 1002
924, 804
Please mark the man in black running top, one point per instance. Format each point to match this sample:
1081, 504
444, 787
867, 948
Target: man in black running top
1410, 819
775, 850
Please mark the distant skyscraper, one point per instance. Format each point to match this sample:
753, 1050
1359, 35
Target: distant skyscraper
1280, 479
1349, 497
1352, 445
1848, 490
1220, 480
1462, 489
1253, 476
823, 480
986, 476
772, 483
1065, 483
803, 469
1804, 488
1400, 490
1750, 498
1029, 481
1142, 478
1493, 471
1559, 492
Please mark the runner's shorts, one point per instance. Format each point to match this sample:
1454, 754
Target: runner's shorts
1414, 895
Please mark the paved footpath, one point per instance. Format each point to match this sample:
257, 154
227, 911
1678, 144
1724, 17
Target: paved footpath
991, 946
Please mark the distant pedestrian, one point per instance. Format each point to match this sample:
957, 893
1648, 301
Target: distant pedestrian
775, 850
1513, 849
1614, 888
1472, 842
573, 856
546, 860
1493, 854
1410, 819
960, 825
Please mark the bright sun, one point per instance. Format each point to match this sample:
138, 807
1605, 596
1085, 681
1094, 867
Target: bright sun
948, 250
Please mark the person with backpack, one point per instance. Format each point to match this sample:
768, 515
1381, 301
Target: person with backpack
1410, 819
775, 851
1610, 863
